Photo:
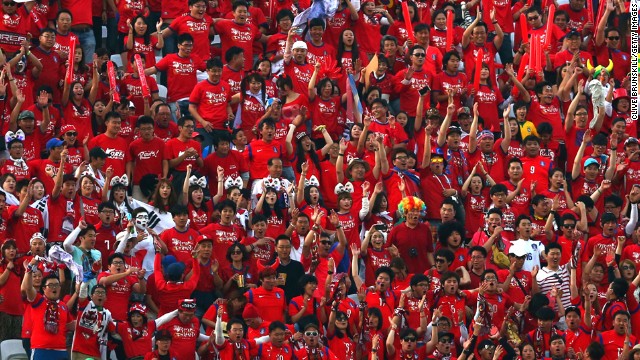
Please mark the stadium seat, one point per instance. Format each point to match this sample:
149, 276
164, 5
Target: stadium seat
12, 350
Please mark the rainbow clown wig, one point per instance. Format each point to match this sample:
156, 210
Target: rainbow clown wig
411, 203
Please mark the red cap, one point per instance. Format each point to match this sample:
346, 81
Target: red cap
67, 128
203, 238
187, 305
250, 312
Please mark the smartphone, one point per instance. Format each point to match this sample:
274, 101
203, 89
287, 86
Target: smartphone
424, 90
380, 227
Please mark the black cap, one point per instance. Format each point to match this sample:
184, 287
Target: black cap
572, 33
162, 335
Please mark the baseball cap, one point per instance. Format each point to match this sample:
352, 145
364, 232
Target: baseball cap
591, 162
187, 305
141, 308
67, 128
454, 129
518, 250
572, 33
203, 238
26, 115
250, 312
162, 335
630, 140
97, 152
300, 135
299, 45
55, 142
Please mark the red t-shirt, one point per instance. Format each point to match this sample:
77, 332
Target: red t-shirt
272, 303
175, 147
488, 100
118, 294
180, 243
415, 241
238, 35
223, 237
300, 75
132, 88
41, 338
64, 216
183, 337
116, 149
139, 47
136, 341
199, 29
409, 93
181, 74
147, 157
259, 153
211, 100
80, 117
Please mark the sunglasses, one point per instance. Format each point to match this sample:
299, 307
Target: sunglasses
533, 18
311, 333
409, 339
419, 54
489, 347
236, 253
437, 160
614, 38
9, 3
325, 242
569, 226
72, 133
446, 341
441, 261
626, 267
342, 318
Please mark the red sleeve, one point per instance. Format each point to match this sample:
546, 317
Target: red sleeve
163, 64
153, 85
194, 98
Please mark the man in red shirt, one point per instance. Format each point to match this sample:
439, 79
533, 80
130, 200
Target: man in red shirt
295, 63
578, 16
48, 338
120, 284
238, 32
46, 169
180, 152
413, 79
413, 240
197, 24
93, 323
233, 70
180, 240
185, 331
51, 61
181, 69
614, 340
164, 128
536, 168
268, 298
145, 155
210, 104
261, 151
131, 85
231, 161
64, 204
604, 241
115, 146
475, 39
546, 107
24, 220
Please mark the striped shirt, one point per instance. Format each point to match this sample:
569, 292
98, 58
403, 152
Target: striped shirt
548, 279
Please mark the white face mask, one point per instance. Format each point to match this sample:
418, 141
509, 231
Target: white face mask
142, 220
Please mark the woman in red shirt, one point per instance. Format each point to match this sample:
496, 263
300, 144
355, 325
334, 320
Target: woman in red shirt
75, 149
263, 67
398, 29
90, 199
326, 107
10, 279
76, 108
292, 102
165, 197
306, 304
200, 211
252, 99
139, 41
269, 206
238, 274
81, 72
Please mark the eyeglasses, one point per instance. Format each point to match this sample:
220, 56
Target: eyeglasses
490, 279
52, 286
186, 45
188, 126
311, 333
421, 54
17, 146
409, 339
489, 347
614, 38
569, 226
533, 18
325, 242
626, 267
402, 158
99, 292
117, 263
72, 133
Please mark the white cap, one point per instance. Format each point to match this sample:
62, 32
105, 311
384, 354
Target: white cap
299, 45
518, 249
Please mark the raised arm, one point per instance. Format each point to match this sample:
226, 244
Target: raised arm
466, 36
473, 142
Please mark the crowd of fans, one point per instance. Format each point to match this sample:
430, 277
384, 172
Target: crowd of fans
383, 180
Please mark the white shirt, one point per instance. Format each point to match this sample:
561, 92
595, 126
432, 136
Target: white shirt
535, 250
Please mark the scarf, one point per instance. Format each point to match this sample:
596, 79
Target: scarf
20, 163
137, 333
51, 316
407, 173
415, 355
238, 119
93, 319
58, 255
438, 355
483, 315
539, 345
238, 351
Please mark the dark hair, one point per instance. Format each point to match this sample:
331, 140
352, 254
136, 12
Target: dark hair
614, 199
184, 37
386, 270
497, 188
184, 119
277, 325
227, 203
448, 275
307, 279
377, 313
282, 237
301, 155
147, 35
214, 63
522, 218
244, 84
239, 3
283, 14
231, 52
84, 231
418, 278
480, 249
544, 128
375, 208
446, 253
447, 228
144, 120
106, 205
50, 30
407, 331
595, 350
268, 210
115, 256
237, 321
421, 27
488, 271
158, 201
231, 249
193, 2
619, 287
447, 56
179, 209
552, 245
